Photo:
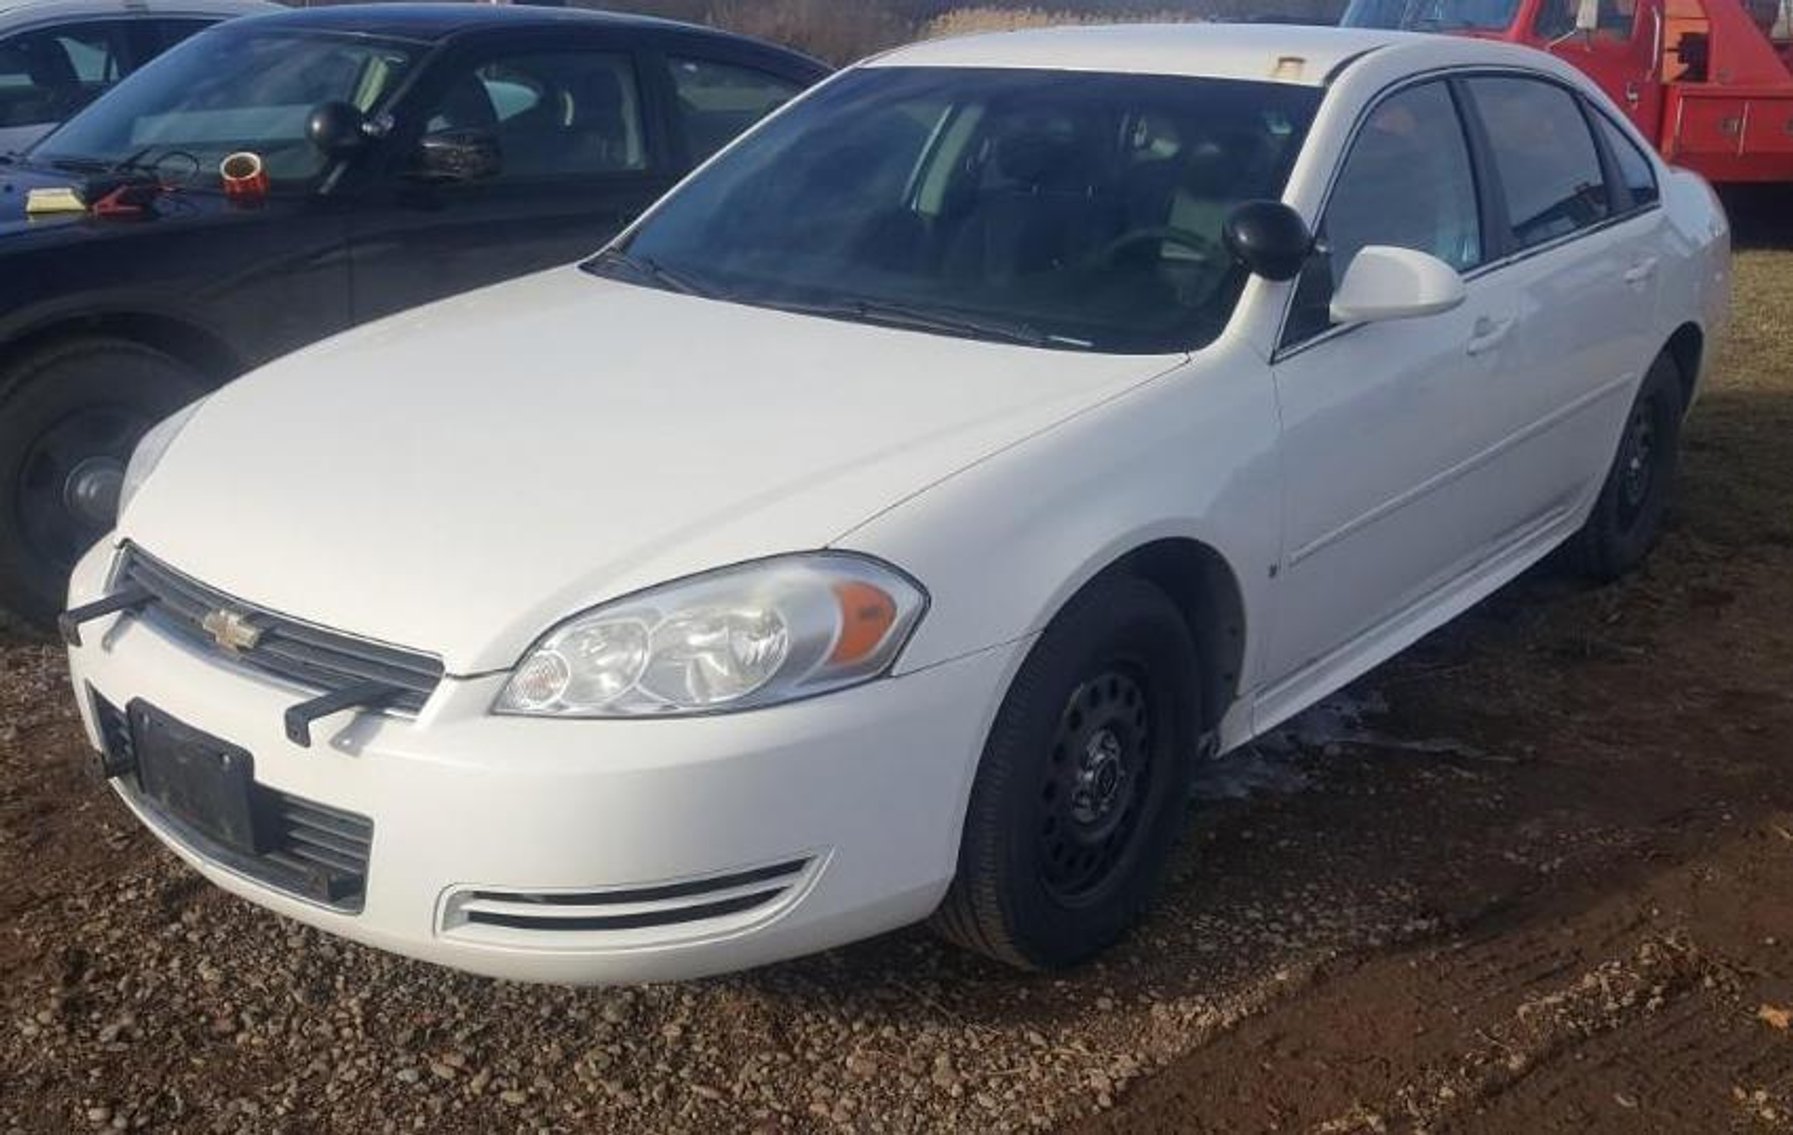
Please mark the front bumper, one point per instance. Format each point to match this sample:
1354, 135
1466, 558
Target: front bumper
585, 852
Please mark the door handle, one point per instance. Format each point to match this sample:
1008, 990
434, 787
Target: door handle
1488, 333
1641, 272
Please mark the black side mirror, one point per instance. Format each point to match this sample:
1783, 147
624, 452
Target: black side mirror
464, 154
337, 128
1269, 238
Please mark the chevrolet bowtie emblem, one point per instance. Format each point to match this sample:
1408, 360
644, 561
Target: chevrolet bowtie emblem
231, 630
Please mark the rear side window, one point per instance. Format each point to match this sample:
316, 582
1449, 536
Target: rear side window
47, 75
719, 100
172, 31
553, 113
1407, 182
1634, 166
1549, 169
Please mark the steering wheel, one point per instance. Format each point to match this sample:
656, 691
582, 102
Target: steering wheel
1202, 246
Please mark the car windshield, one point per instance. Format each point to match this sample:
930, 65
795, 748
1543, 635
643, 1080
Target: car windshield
1431, 15
1072, 210
227, 90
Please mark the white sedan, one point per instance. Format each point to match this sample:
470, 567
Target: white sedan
881, 529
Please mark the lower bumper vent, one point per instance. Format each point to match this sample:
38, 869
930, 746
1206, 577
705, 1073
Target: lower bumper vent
305, 848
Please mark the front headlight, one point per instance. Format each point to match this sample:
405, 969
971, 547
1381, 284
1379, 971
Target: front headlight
742, 637
150, 449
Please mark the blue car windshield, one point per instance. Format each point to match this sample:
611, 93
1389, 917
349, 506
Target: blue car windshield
1072, 210
1431, 15
225, 90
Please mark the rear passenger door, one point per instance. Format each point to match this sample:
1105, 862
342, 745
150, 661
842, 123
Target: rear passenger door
1580, 254
714, 100
582, 151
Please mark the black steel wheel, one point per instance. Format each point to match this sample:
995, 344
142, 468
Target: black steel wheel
70, 416
1099, 775
1627, 518
1081, 790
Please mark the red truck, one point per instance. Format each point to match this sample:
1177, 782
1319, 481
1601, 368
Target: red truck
1707, 79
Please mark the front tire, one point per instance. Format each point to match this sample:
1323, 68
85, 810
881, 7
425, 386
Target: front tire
1082, 787
70, 415
1627, 518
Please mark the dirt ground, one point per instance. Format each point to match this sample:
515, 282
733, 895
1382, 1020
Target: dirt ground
1535, 875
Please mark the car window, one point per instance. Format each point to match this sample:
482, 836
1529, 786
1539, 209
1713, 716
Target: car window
47, 75
717, 101
230, 90
1078, 211
553, 113
1556, 19
172, 31
1635, 169
1431, 15
1549, 170
1407, 181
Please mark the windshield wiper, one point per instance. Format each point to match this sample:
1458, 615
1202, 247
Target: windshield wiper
889, 313
652, 270
79, 165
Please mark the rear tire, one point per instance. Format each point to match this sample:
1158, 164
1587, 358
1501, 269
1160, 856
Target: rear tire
1627, 518
1082, 788
71, 413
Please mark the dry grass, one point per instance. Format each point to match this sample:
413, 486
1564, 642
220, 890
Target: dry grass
837, 31
969, 21
842, 31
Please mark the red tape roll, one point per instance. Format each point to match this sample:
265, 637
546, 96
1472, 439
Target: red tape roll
245, 178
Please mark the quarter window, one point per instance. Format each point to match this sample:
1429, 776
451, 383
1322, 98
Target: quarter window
1635, 168
553, 113
717, 101
1549, 169
1407, 182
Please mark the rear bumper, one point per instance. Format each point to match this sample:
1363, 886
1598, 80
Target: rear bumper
590, 851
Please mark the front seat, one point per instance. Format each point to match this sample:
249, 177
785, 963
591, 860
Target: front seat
599, 137
1044, 212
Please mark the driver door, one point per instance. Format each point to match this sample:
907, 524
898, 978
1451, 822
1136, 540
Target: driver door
580, 153
1383, 422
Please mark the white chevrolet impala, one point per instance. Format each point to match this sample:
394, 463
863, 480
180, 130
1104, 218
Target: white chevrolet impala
883, 527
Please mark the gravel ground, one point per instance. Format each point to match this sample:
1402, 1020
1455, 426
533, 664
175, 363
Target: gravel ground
1483, 826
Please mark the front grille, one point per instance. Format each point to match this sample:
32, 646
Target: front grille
306, 655
307, 849
631, 908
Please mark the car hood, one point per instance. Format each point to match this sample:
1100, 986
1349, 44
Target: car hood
20, 178
458, 478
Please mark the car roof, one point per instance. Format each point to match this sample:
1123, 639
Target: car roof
15, 13
430, 22
1308, 56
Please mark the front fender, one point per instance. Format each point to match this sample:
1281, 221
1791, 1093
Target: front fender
1002, 546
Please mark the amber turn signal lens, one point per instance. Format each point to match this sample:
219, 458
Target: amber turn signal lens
866, 616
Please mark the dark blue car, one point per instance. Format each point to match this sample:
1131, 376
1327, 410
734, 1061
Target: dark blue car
405, 152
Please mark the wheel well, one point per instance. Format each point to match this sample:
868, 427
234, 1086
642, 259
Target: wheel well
199, 349
1198, 580
1687, 346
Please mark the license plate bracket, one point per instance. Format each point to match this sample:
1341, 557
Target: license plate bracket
196, 778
